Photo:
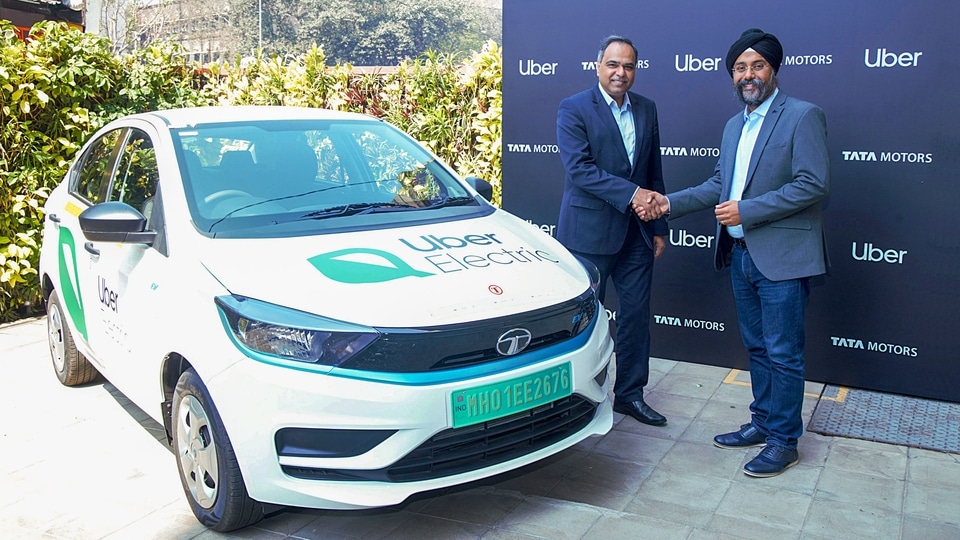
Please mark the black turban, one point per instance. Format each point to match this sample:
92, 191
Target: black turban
767, 45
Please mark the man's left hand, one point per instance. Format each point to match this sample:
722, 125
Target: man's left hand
728, 213
659, 244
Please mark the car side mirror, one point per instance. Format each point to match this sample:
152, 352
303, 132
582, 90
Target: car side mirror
484, 188
115, 221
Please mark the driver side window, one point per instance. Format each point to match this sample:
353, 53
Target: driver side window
137, 175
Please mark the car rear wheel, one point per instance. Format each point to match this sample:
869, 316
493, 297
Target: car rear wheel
72, 368
208, 467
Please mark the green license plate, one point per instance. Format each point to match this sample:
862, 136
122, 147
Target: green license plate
491, 401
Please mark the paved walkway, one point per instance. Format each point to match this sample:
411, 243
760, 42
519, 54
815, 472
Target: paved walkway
84, 463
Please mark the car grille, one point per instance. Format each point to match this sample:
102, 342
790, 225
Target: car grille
470, 448
431, 349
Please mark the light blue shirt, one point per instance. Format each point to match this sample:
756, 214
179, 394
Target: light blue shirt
752, 121
624, 117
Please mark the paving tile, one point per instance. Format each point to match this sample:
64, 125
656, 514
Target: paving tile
766, 506
730, 414
868, 457
934, 503
917, 528
551, 519
734, 527
642, 505
642, 449
482, 506
610, 472
592, 494
933, 468
634, 526
829, 518
691, 490
373, 524
862, 490
688, 386
701, 459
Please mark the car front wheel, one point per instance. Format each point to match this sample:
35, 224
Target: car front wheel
208, 467
72, 368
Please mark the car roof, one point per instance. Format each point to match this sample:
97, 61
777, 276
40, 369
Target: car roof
185, 117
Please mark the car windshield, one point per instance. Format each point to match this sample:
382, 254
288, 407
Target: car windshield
288, 171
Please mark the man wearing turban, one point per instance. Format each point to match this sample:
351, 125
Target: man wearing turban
766, 192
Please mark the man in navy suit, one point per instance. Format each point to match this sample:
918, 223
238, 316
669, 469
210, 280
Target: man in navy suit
766, 193
609, 142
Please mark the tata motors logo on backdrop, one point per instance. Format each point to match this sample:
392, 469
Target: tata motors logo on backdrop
873, 346
882, 58
692, 151
642, 63
684, 322
887, 157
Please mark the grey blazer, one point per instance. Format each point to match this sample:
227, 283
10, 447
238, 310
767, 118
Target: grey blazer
788, 177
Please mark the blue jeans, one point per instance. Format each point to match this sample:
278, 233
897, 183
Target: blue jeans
770, 314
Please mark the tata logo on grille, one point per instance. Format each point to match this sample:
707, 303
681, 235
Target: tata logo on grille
513, 341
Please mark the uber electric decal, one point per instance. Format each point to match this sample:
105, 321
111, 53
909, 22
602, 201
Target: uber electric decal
441, 254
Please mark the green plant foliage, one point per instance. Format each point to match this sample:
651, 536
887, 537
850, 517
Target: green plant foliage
56, 89
59, 87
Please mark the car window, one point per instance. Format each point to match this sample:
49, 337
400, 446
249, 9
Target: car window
137, 175
288, 171
93, 178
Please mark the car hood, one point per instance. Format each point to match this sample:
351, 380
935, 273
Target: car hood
443, 273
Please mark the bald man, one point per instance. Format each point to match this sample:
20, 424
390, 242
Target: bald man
766, 192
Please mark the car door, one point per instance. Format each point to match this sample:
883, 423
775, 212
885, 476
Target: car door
127, 276
79, 262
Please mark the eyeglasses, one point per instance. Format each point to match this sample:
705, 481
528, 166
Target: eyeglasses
756, 67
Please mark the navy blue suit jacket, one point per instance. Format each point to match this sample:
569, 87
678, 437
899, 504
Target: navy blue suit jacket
600, 181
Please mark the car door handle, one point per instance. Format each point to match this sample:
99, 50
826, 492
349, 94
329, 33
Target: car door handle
90, 249
54, 218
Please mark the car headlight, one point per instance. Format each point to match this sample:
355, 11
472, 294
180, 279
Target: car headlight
286, 333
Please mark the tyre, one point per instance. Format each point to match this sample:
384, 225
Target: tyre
208, 467
72, 368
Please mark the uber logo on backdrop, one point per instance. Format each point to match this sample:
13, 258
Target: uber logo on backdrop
684, 239
884, 59
692, 63
869, 253
531, 68
892, 157
874, 346
808, 60
642, 63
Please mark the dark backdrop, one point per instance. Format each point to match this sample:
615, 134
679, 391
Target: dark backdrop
885, 72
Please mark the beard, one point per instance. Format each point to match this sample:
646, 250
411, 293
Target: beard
757, 96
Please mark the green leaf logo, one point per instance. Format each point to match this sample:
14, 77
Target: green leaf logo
361, 265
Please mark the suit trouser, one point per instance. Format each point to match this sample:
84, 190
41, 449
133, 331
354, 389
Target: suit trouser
771, 318
631, 270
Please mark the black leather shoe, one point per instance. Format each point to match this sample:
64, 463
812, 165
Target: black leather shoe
640, 411
746, 437
771, 461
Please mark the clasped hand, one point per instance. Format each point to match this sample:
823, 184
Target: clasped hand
649, 205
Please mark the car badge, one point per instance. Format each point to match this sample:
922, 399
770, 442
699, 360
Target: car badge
513, 341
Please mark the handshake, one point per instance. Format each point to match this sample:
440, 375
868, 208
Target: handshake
649, 205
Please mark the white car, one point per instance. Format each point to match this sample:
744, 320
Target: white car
319, 312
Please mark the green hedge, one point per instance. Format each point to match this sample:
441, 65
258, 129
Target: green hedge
60, 86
